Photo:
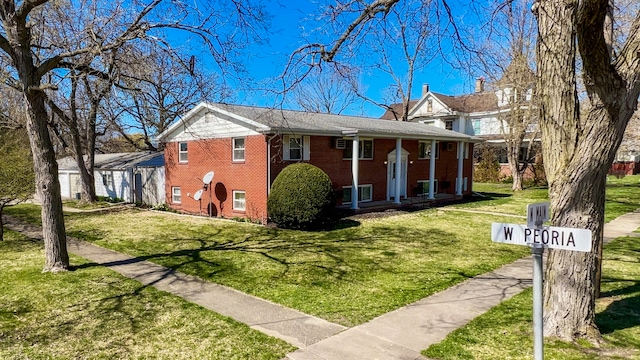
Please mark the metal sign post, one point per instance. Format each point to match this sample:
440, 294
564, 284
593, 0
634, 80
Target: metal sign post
539, 237
538, 217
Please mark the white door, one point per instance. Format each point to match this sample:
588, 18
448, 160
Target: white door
64, 185
391, 174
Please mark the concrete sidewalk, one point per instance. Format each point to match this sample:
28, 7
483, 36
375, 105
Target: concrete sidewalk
403, 333
400, 334
290, 325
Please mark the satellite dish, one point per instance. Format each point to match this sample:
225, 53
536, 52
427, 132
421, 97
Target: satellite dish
197, 195
208, 177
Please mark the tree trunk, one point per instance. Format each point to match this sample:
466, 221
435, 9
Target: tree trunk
47, 184
517, 176
1, 226
577, 154
513, 149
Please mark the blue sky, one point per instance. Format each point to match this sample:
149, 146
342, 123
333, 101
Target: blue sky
287, 32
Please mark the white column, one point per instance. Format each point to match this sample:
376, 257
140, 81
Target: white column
460, 166
354, 173
398, 174
432, 170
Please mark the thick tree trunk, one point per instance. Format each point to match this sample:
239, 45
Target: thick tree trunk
47, 184
1, 226
18, 46
577, 154
569, 302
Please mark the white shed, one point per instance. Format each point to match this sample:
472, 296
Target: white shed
133, 177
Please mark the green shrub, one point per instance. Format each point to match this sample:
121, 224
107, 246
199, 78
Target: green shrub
487, 167
301, 198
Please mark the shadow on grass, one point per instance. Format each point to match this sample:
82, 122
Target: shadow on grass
622, 313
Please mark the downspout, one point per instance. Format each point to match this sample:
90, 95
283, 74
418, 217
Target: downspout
269, 163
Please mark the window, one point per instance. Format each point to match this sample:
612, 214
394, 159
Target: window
107, 179
425, 186
238, 149
182, 152
365, 193
365, 150
429, 105
175, 194
477, 127
239, 200
448, 124
296, 147
424, 150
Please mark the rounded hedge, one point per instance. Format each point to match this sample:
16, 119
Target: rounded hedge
301, 197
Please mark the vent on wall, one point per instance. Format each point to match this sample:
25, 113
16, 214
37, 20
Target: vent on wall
341, 143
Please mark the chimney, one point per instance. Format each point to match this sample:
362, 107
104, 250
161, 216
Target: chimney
425, 89
479, 84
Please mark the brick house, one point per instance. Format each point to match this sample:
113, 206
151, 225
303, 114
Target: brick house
247, 147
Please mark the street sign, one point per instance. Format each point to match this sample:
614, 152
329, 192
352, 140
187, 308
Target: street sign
537, 214
545, 236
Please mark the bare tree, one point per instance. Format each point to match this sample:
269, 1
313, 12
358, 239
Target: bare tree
159, 86
325, 91
33, 49
505, 55
576, 171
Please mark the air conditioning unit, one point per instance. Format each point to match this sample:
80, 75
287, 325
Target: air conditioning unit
341, 143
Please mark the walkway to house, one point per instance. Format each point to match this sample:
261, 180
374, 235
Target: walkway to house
400, 334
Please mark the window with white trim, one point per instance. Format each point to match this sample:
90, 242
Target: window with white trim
107, 179
429, 105
365, 150
183, 152
448, 124
425, 186
175, 194
424, 150
296, 147
238, 149
239, 200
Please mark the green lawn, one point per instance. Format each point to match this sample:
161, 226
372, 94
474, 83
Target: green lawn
505, 332
348, 275
94, 313
623, 196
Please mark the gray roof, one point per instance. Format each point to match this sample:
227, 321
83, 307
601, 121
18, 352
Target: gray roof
118, 161
291, 121
270, 120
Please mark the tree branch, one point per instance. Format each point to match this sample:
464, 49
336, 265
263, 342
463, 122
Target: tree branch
27, 7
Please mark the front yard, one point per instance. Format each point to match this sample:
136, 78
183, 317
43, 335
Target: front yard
363, 268
348, 275
95, 313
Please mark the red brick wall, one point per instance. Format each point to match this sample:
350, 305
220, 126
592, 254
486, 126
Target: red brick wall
328, 158
216, 154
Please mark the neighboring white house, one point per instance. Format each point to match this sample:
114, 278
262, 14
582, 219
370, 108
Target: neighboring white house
133, 177
481, 114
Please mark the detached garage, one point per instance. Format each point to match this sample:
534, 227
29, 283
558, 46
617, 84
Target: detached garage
133, 177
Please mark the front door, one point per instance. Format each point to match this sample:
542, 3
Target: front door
391, 174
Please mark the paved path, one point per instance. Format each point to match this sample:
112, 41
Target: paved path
287, 324
400, 334
403, 333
